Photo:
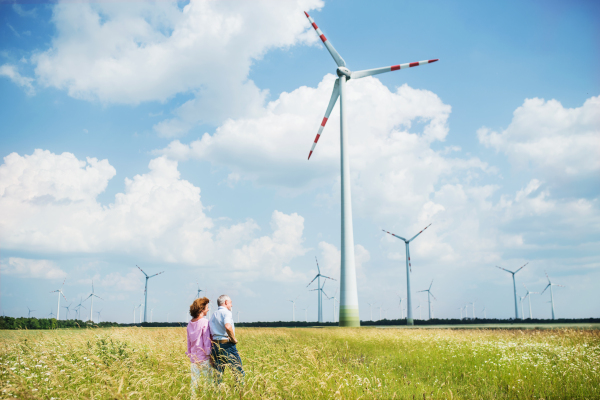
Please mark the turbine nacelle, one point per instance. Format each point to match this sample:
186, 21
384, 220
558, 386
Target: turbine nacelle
343, 71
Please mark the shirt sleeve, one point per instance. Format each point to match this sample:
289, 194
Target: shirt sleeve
189, 344
228, 318
206, 343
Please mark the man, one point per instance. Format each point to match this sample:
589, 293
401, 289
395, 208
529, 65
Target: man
223, 350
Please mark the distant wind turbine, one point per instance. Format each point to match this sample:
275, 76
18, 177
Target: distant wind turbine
429, 296
521, 299
460, 308
293, 308
199, 290
98, 312
349, 314
514, 286
30, 311
60, 293
78, 307
400, 305
484, 316
550, 284
146, 290
528, 295
320, 290
68, 310
371, 310
51, 315
409, 316
91, 297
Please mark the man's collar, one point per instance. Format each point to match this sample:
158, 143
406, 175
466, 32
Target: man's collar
223, 307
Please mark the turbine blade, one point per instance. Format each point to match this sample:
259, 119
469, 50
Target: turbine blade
504, 269
431, 285
377, 71
334, 96
318, 268
556, 284
421, 291
432, 296
547, 277
414, 237
326, 277
546, 288
521, 267
142, 271
336, 56
155, 274
312, 280
399, 237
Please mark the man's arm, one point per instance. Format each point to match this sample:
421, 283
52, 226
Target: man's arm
230, 333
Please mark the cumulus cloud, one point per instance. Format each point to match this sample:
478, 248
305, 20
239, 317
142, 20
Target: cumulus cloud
331, 259
49, 204
28, 268
11, 72
551, 138
143, 51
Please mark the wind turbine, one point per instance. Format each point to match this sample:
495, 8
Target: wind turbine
78, 308
59, 294
521, 301
550, 284
349, 315
528, 294
305, 314
466, 311
68, 310
30, 311
146, 290
514, 286
238, 317
140, 306
429, 296
419, 308
197, 295
293, 308
400, 305
91, 296
98, 312
484, 316
320, 290
371, 310
409, 316
460, 308
473, 304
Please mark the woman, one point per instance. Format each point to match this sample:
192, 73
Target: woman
198, 343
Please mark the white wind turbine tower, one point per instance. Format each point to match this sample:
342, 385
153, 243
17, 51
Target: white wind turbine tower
51, 314
349, 315
334, 300
78, 307
409, 316
199, 290
371, 310
98, 312
379, 313
460, 308
473, 304
400, 305
522, 312
305, 314
30, 311
514, 287
550, 284
483, 311
429, 296
320, 290
293, 308
91, 296
238, 317
466, 307
60, 293
146, 291
528, 294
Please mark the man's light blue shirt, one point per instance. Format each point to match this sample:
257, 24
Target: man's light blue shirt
217, 323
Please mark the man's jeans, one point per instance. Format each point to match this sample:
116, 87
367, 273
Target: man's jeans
226, 354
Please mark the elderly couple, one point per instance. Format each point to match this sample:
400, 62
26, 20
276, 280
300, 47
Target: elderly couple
211, 344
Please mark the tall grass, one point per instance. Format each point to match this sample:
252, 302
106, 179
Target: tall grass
121, 363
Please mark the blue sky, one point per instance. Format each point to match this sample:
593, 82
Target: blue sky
174, 136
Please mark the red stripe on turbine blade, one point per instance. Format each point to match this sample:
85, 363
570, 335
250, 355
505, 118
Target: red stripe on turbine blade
415, 64
317, 138
307, 16
309, 154
395, 67
430, 61
323, 38
324, 121
315, 26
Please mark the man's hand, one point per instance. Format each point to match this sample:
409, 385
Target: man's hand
230, 333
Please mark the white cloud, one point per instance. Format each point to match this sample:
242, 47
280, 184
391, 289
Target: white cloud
552, 139
49, 204
331, 259
10, 71
28, 268
139, 52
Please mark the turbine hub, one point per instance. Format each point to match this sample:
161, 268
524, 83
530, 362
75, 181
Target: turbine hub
344, 71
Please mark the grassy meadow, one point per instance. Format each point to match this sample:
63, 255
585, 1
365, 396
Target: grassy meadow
120, 363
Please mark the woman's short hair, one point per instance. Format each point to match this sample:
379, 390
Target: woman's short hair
198, 306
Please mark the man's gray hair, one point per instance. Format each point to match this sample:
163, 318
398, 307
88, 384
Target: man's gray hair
222, 299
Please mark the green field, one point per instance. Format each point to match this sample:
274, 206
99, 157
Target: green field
365, 363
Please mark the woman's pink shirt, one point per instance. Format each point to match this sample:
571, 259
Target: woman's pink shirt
198, 340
